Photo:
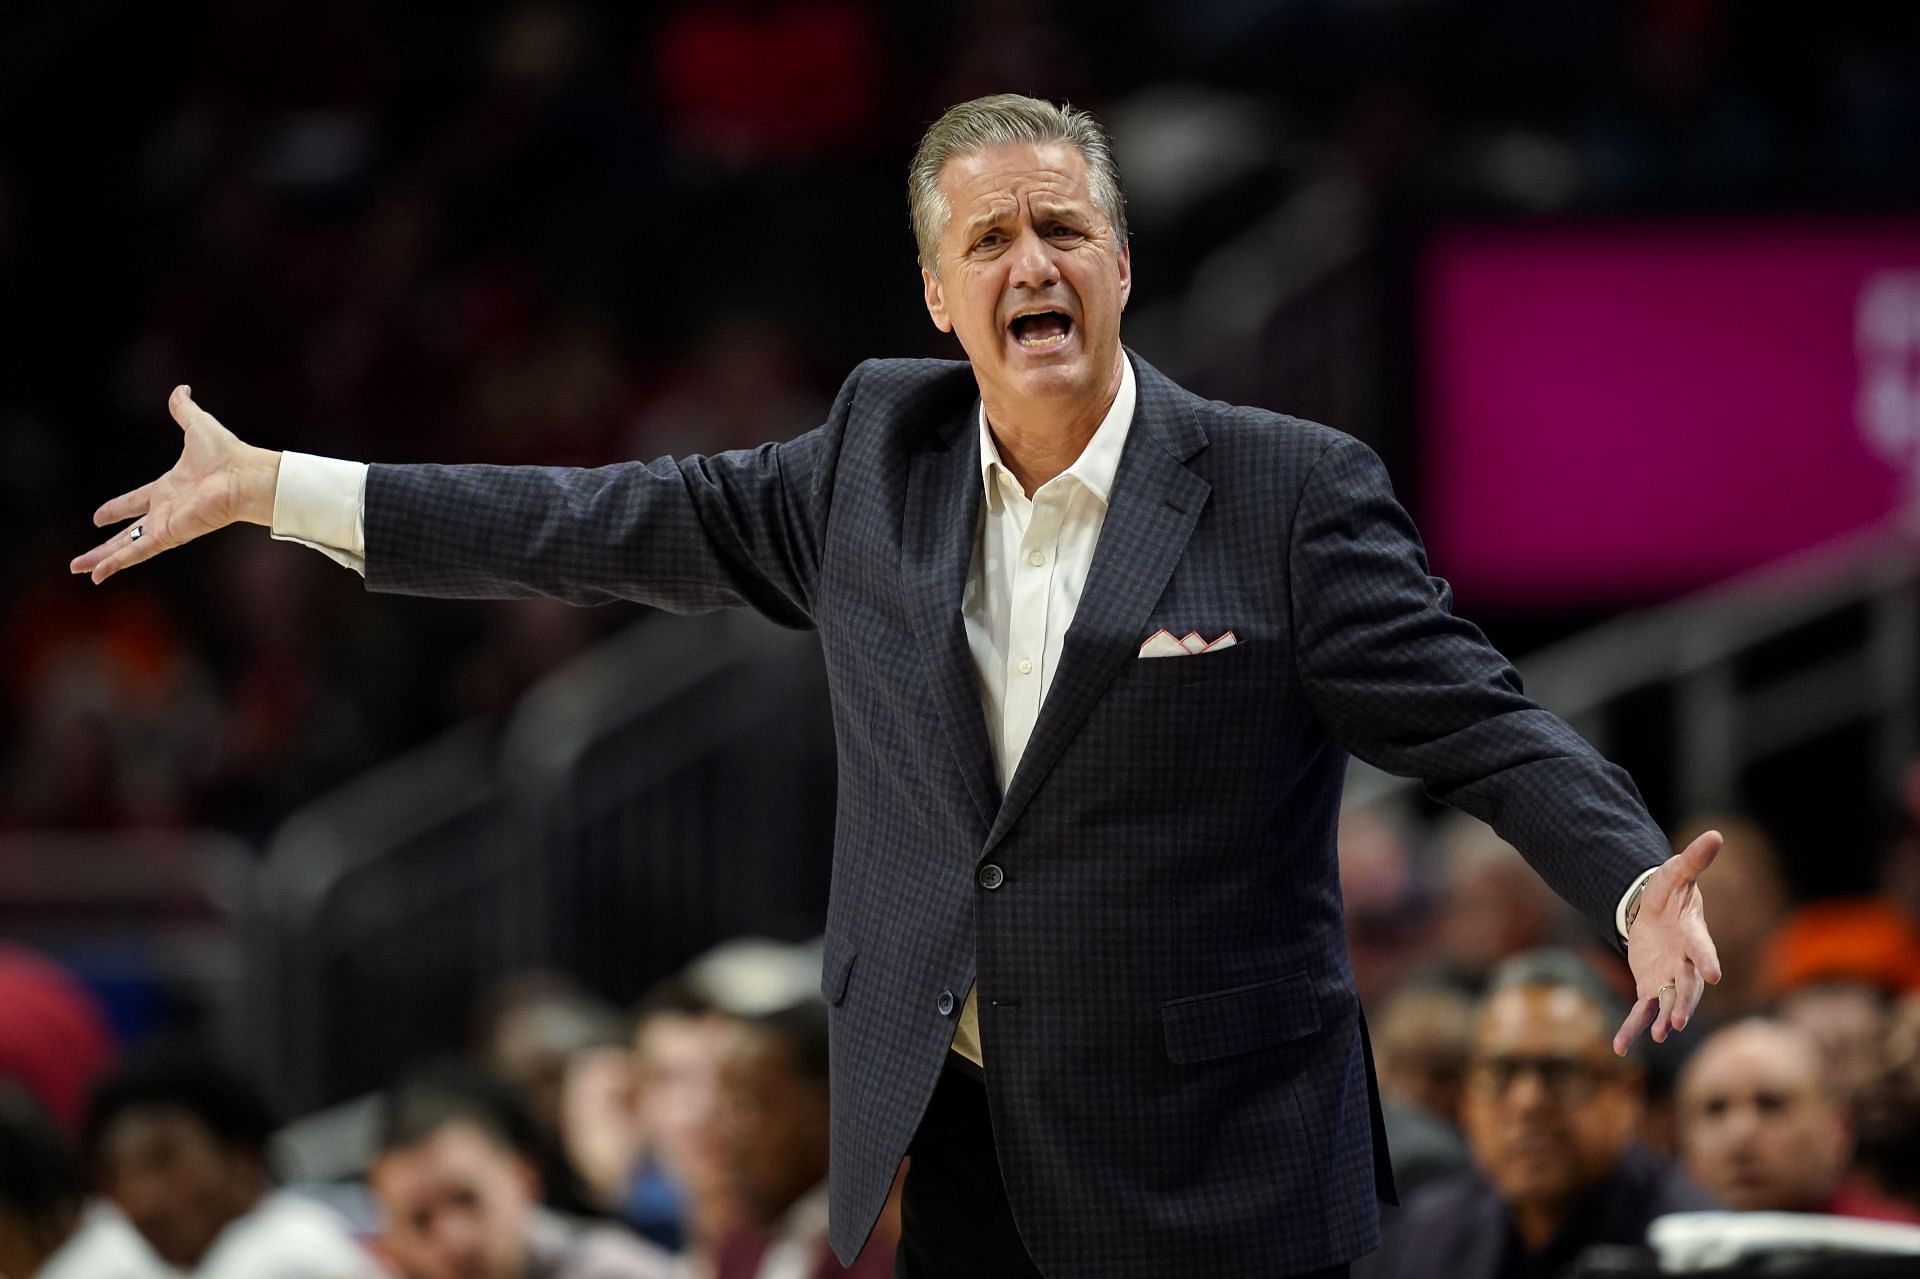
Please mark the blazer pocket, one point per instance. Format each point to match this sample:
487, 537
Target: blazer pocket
1186, 670
1241, 1018
836, 965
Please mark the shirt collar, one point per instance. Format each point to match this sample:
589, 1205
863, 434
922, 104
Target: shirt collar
1098, 461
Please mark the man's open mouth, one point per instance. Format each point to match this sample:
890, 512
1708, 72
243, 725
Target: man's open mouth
1042, 330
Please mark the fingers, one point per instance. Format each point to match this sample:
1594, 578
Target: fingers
1688, 987
1704, 954
1663, 1022
124, 507
122, 550
1638, 1019
1694, 859
181, 405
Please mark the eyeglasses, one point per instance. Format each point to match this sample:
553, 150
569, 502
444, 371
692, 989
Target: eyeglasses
1565, 1080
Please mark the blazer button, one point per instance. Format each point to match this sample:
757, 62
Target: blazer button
991, 876
946, 1003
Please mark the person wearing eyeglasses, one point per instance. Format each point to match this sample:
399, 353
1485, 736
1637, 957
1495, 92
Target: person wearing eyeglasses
1551, 1115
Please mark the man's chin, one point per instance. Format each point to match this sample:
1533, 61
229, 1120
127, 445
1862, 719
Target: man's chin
1064, 377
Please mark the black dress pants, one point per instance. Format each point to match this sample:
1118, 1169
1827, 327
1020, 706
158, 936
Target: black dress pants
954, 1219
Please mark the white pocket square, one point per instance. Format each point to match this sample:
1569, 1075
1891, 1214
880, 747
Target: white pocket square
1162, 644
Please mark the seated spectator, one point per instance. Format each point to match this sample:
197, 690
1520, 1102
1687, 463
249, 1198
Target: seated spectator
1420, 1042
1835, 968
1493, 904
1388, 903
1750, 899
462, 1197
1887, 1159
1759, 1125
179, 1143
530, 1030
1420, 1049
670, 1183
774, 1107
47, 1229
1550, 1115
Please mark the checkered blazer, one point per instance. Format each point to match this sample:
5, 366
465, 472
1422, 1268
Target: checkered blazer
1176, 1059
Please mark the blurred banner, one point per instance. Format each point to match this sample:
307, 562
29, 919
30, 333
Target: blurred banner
1620, 414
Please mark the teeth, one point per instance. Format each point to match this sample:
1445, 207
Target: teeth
1037, 343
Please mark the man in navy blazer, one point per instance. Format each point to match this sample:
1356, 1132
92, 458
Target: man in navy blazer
1084, 947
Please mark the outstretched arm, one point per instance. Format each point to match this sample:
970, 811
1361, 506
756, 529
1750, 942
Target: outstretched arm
687, 534
1405, 685
219, 480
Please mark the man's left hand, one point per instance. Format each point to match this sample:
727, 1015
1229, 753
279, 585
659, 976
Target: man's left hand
1672, 957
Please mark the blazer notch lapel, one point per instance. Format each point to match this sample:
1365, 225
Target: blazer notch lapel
938, 531
1156, 504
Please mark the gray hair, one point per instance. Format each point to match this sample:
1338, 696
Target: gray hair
997, 120
1561, 969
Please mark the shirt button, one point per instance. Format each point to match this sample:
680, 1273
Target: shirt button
946, 1003
1037, 558
1026, 667
991, 876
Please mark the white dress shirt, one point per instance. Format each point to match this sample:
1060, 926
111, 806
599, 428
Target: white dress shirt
1030, 562
1031, 555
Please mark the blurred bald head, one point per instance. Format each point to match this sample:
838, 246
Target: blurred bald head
1760, 1127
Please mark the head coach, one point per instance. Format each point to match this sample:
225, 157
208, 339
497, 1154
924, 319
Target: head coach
1098, 651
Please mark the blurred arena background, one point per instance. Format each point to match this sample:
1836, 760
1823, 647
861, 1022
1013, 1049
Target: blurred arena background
1626, 293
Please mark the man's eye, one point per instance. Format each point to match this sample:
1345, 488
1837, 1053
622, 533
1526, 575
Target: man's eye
987, 241
1062, 231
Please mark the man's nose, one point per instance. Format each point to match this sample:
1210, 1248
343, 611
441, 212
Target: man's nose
1528, 1093
1740, 1126
458, 1236
1034, 265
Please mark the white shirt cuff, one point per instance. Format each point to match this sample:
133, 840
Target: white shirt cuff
1620, 911
321, 502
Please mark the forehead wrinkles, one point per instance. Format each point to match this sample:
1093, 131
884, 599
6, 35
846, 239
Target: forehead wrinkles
976, 191
998, 201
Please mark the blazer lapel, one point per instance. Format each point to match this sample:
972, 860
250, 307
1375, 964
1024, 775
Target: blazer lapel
939, 527
1156, 503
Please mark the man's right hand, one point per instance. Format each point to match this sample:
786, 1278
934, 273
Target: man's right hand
218, 481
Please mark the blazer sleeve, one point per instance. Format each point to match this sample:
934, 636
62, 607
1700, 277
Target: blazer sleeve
1405, 685
687, 535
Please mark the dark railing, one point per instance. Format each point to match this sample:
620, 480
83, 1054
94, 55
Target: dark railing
670, 790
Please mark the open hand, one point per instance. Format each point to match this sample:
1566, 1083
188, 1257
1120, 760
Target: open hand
218, 481
1668, 948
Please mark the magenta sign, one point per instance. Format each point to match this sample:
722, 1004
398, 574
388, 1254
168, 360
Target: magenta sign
1619, 415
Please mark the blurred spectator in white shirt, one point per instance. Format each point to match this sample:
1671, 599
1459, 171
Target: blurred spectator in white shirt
178, 1143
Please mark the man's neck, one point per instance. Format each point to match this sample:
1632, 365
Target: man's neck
1039, 441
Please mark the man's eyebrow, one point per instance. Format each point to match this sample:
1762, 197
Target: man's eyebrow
1061, 208
986, 218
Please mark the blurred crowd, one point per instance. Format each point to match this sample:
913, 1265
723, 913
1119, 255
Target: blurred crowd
1523, 1145
565, 232
687, 1136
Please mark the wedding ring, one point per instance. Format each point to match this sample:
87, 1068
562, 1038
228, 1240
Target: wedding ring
1669, 986
134, 536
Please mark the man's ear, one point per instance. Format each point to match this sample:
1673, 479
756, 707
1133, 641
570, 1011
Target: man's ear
1126, 274
936, 300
